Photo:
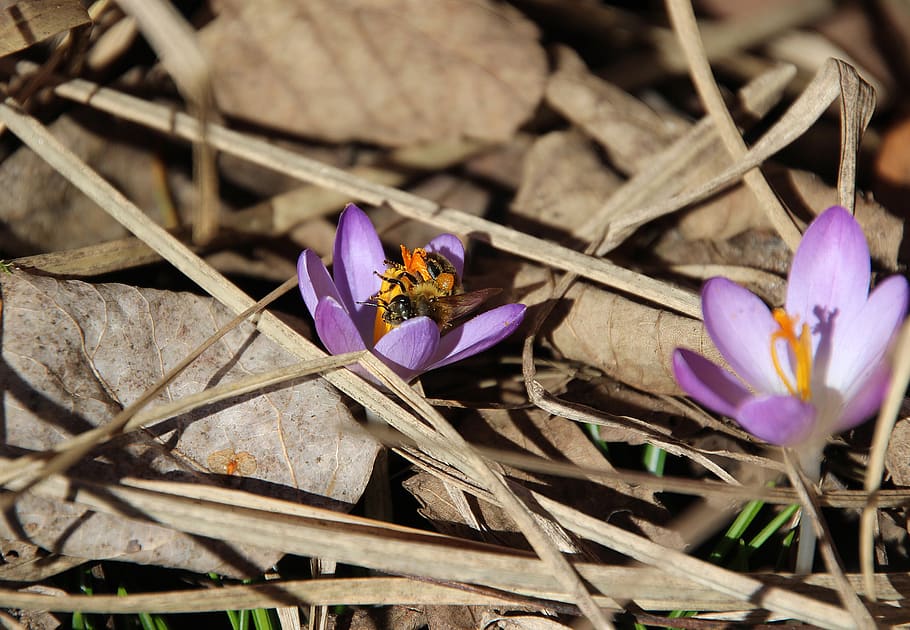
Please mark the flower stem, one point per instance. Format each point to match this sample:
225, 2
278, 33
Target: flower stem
810, 461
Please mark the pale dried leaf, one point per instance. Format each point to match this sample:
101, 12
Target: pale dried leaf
736, 211
563, 183
25, 562
385, 618
391, 72
847, 34
897, 459
54, 216
502, 165
75, 354
627, 340
522, 622
630, 131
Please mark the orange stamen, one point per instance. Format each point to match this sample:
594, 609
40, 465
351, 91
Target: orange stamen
801, 346
415, 262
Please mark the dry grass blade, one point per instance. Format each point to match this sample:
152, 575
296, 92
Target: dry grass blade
632, 205
25, 23
296, 528
799, 117
579, 413
353, 591
861, 616
239, 387
676, 563
683, 18
884, 425
175, 42
406, 204
496, 484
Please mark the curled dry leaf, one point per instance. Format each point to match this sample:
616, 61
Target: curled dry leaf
75, 354
755, 259
393, 72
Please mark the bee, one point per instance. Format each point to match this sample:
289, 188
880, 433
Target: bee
423, 285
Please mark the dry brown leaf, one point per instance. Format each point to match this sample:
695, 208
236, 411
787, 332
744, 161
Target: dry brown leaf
522, 622
73, 529
857, 32
54, 216
76, 353
393, 72
563, 183
502, 164
630, 131
24, 562
754, 248
454, 617
897, 459
628, 341
736, 211
385, 618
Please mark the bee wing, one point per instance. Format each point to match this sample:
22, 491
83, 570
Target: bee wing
459, 305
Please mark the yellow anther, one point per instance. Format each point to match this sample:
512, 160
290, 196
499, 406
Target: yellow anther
802, 352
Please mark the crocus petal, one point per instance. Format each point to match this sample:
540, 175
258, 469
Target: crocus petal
358, 256
866, 398
740, 325
478, 333
335, 327
452, 248
781, 420
314, 280
831, 268
409, 347
861, 342
708, 383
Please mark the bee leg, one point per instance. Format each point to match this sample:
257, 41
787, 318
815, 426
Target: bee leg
445, 282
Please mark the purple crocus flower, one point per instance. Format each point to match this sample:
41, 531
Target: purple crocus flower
816, 367
345, 322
